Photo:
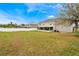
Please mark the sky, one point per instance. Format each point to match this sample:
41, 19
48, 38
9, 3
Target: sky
28, 12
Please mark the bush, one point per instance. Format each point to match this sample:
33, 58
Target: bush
56, 31
8, 26
77, 34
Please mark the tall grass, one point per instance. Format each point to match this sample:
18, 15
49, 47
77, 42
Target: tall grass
38, 43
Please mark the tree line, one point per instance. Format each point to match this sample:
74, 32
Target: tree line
10, 25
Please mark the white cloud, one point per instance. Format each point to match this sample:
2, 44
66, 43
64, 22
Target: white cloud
31, 7
58, 6
18, 11
6, 18
29, 10
51, 16
38, 6
43, 8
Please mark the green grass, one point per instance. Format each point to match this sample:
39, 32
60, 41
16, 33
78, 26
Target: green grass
38, 44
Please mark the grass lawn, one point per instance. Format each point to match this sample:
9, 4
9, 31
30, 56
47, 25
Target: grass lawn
38, 43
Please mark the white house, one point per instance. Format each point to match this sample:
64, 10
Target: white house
51, 25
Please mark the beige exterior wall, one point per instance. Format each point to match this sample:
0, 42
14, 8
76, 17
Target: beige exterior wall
63, 28
60, 28
47, 24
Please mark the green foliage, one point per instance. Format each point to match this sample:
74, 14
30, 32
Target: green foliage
77, 34
8, 25
22, 24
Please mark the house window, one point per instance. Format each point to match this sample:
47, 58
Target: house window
50, 24
43, 24
39, 24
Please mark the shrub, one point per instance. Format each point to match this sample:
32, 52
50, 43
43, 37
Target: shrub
56, 31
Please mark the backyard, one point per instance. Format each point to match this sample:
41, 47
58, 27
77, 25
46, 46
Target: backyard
33, 43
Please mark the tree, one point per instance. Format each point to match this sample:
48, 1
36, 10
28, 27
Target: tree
70, 12
11, 23
22, 24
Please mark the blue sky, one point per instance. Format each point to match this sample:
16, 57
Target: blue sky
27, 12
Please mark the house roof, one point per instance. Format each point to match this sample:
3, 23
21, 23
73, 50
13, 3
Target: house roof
48, 20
